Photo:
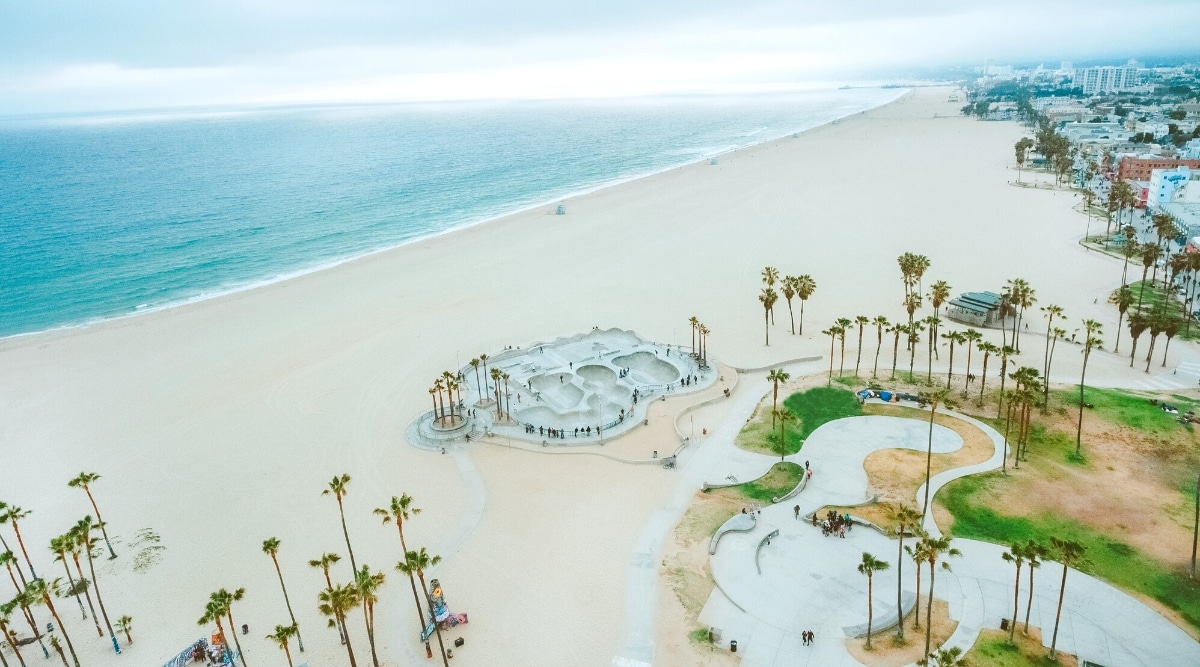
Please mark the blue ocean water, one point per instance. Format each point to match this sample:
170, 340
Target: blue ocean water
106, 216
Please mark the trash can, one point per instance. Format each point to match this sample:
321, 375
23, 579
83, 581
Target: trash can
733, 646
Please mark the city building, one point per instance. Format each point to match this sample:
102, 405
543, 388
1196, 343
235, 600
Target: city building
1166, 184
981, 309
1107, 79
1140, 168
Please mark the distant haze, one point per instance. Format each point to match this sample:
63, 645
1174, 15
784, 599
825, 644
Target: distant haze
82, 55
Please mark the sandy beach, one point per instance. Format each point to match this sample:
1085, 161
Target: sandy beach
216, 425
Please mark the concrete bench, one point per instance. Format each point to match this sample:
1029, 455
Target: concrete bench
738, 523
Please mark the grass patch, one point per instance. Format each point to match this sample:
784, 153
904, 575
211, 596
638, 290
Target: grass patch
700, 636
1125, 408
992, 649
781, 478
811, 408
1155, 296
970, 501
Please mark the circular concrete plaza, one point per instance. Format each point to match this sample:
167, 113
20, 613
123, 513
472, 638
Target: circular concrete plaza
811, 582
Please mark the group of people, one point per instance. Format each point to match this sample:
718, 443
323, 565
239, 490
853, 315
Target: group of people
834, 523
807, 637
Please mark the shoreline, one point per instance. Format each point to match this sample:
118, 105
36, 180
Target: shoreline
326, 265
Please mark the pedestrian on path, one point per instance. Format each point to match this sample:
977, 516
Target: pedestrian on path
797, 510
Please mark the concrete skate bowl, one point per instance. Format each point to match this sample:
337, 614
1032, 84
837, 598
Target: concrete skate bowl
647, 368
561, 394
601, 375
569, 419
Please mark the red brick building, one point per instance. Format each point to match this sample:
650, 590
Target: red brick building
1138, 169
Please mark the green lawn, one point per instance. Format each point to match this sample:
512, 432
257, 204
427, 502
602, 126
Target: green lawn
1126, 567
781, 478
811, 408
993, 650
1126, 408
1151, 297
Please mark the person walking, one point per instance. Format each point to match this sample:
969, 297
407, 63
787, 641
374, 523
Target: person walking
796, 509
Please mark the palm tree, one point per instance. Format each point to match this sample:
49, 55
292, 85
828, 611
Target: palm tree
84, 481
954, 337
914, 337
334, 603
83, 534
784, 416
1150, 255
971, 337
1092, 341
906, 518
936, 398
869, 566
57, 646
946, 657
326, 561
368, 585
1006, 351
1155, 320
694, 322
497, 375
789, 292
1171, 325
775, 377
767, 298
842, 325
401, 510
931, 323
4, 549
38, 588
416, 562
1058, 333
704, 344
861, 320
881, 324
1137, 324
805, 286
507, 396
769, 276
917, 553
125, 625
1051, 312
1023, 145
12, 514
935, 549
224, 600
6, 611
270, 546
74, 545
439, 407
939, 293
60, 545
896, 330
212, 614
25, 600
337, 487
450, 383
832, 333
911, 303
988, 348
1069, 554
1034, 552
1015, 555
483, 359
478, 390
281, 636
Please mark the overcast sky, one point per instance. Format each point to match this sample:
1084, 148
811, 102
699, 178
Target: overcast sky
85, 55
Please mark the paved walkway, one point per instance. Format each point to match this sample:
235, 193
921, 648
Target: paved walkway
810, 582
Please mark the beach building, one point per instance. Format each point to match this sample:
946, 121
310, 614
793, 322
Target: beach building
1105, 133
981, 309
1139, 168
1108, 79
1166, 185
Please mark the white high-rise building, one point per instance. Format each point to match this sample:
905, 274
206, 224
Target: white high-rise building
1108, 79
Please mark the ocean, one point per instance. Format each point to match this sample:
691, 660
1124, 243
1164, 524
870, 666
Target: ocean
105, 216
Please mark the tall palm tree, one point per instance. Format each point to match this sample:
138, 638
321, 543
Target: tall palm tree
783, 416
83, 534
1155, 322
767, 298
769, 276
507, 396
842, 325
401, 510
704, 343
931, 323
935, 399
861, 320
1034, 553
281, 637
1016, 556
449, 381
368, 584
805, 286
74, 546
912, 303
1150, 256
270, 546
939, 293
60, 545
869, 566
1006, 351
832, 333
416, 562
6, 611
694, 322
971, 337
497, 375
955, 337
212, 614
334, 603
337, 488
988, 348
38, 588
1069, 554
1051, 311
906, 519
475, 366
25, 600
1171, 326
57, 646
776, 376
224, 600
1092, 341
11, 515
788, 287
1056, 335
483, 359
1137, 324
914, 337
881, 324
917, 553
5, 549
896, 330
936, 548
323, 563
125, 626
84, 480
